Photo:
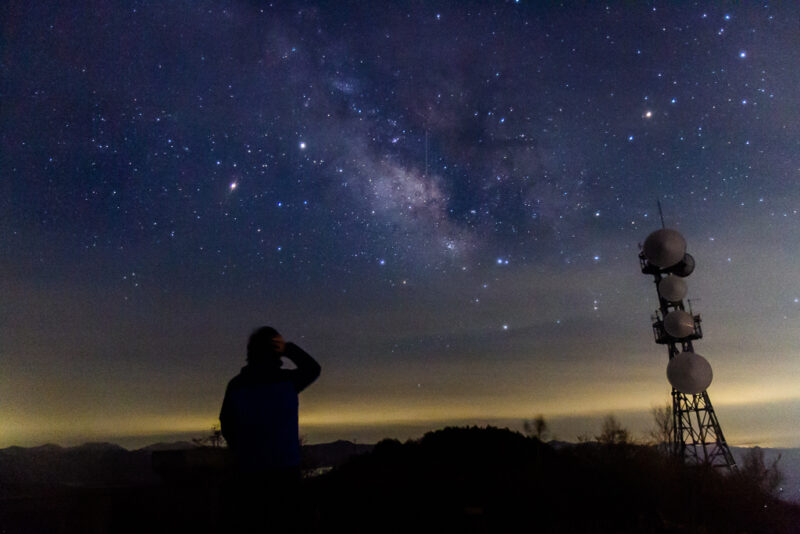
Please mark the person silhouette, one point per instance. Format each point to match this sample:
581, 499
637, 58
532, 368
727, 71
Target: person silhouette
259, 423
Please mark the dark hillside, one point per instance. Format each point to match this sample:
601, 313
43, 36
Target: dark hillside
491, 480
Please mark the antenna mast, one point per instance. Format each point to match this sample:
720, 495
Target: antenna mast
696, 433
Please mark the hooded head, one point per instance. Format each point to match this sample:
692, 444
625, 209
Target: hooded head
265, 346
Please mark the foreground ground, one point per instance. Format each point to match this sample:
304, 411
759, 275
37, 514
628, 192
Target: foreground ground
453, 480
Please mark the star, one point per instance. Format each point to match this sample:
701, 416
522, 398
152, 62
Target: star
435, 162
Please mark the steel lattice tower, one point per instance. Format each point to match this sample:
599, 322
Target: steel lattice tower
696, 433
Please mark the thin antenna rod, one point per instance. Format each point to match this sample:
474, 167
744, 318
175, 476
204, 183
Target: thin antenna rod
661, 214
426, 153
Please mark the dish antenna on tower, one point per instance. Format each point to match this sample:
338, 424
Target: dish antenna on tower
696, 434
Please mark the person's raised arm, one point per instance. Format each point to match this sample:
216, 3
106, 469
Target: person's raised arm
307, 367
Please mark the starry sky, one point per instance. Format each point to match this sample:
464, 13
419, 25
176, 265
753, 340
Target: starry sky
441, 202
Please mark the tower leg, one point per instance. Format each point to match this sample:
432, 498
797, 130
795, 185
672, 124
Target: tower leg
696, 435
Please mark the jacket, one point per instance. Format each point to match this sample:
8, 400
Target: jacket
259, 413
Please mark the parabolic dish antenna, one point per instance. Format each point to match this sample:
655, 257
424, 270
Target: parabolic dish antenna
689, 373
672, 288
679, 324
685, 267
664, 248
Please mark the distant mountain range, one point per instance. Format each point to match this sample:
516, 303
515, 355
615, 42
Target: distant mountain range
26, 470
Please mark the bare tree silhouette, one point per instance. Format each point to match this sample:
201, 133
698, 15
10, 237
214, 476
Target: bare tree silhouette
537, 428
613, 433
661, 432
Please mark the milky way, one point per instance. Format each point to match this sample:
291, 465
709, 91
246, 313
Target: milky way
440, 201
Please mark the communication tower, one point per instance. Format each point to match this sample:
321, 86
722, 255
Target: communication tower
696, 434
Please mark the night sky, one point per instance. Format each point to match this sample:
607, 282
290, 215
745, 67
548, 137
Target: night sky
441, 202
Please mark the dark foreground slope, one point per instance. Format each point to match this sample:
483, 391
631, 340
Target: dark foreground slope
452, 480
493, 480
